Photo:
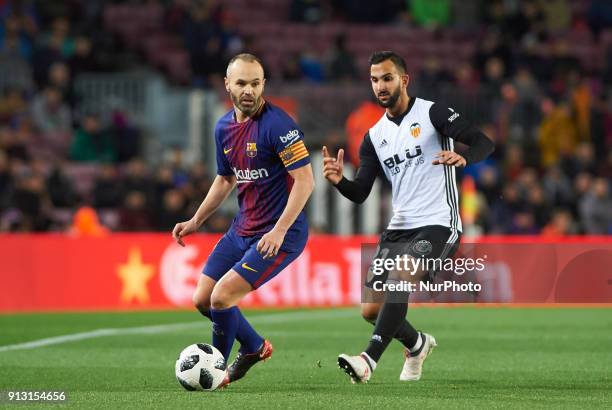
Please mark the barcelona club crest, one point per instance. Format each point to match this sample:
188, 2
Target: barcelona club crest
415, 129
251, 149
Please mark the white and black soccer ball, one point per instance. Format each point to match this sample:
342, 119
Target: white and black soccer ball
200, 367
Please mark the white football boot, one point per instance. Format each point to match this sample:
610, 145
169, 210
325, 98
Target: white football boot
356, 367
413, 366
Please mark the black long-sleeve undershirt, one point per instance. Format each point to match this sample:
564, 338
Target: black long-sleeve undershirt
358, 189
451, 124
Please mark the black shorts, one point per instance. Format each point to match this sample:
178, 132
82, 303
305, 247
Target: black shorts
428, 242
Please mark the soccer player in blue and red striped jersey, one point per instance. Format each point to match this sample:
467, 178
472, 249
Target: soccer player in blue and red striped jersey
260, 150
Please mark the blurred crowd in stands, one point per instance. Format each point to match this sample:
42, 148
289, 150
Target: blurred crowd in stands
541, 68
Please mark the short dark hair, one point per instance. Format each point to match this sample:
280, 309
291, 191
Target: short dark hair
248, 57
380, 56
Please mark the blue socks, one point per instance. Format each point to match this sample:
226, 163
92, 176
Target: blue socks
250, 341
224, 328
229, 324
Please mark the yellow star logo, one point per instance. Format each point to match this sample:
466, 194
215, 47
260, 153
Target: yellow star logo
134, 274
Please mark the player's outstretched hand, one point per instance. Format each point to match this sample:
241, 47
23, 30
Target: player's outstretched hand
182, 229
270, 243
332, 167
449, 158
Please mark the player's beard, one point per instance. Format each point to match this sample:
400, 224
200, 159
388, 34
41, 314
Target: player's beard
393, 97
246, 110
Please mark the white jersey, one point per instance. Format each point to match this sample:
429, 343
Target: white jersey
423, 193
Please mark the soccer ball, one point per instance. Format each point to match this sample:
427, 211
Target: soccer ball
200, 367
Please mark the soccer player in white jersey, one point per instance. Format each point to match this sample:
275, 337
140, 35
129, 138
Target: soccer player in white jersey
412, 145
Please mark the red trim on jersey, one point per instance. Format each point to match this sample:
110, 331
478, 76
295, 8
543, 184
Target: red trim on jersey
252, 213
240, 136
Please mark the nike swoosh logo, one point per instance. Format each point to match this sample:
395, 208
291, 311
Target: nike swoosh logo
245, 266
225, 151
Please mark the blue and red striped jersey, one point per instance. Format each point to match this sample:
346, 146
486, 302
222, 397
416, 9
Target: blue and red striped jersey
260, 152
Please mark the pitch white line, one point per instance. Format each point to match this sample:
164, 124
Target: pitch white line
263, 319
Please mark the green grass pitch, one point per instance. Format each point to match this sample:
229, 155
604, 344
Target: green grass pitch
487, 358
